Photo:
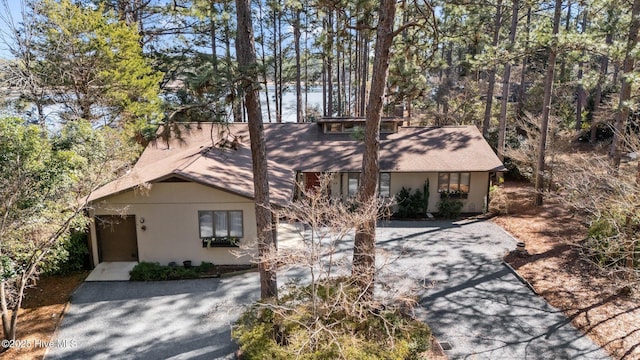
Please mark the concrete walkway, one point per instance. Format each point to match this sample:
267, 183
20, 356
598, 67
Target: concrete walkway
466, 295
112, 271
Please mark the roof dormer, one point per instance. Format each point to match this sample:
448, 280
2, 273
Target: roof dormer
347, 125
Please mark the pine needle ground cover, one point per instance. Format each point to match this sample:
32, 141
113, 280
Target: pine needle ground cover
556, 269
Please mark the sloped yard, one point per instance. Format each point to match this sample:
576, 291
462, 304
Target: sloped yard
41, 313
595, 304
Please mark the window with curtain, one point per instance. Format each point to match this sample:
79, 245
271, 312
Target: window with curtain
220, 227
456, 184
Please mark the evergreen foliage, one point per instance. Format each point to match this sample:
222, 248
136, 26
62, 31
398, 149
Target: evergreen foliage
108, 62
411, 205
44, 183
449, 208
82, 59
153, 271
70, 254
101, 64
343, 330
609, 237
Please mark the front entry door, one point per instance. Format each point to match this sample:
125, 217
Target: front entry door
117, 240
311, 180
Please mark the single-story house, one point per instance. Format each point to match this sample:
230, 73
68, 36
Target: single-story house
192, 199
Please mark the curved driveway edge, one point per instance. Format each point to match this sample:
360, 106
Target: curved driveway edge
466, 295
474, 302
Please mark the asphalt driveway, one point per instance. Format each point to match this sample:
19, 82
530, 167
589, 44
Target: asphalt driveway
187, 319
466, 295
472, 301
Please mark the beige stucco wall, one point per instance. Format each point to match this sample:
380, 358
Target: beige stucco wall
170, 212
416, 181
475, 202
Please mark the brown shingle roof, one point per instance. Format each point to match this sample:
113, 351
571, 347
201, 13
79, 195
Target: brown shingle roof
197, 160
412, 149
296, 147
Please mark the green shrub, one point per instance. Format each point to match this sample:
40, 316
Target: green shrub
412, 205
148, 271
403, 199
205, 267
607, 242
449, 208
181, 273
71, 254
605, 227
346, 331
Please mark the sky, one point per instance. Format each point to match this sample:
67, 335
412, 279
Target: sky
9, 11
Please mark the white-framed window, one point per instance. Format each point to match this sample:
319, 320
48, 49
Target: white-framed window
384, 188
345, 127
353, 183
220, 224
384, 184
454, 184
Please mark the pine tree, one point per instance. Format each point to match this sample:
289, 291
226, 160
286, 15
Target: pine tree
246, 53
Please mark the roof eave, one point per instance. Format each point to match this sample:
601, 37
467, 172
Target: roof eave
184, 176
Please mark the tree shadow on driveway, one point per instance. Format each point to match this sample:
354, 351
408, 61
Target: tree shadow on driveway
188, 319
465, 294
496, 317
473, 301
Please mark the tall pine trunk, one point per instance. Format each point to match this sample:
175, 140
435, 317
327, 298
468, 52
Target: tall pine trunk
546, 104
492, 72
581, 98
597, 98
364, 70
276, 65
622, 113
364, 248
296, 42
233, 91
525, 60
339, 61
280, 56
505, 83
212, 33
246, 53
329, 72
214, 54
306, 58
563, 76
264, 63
